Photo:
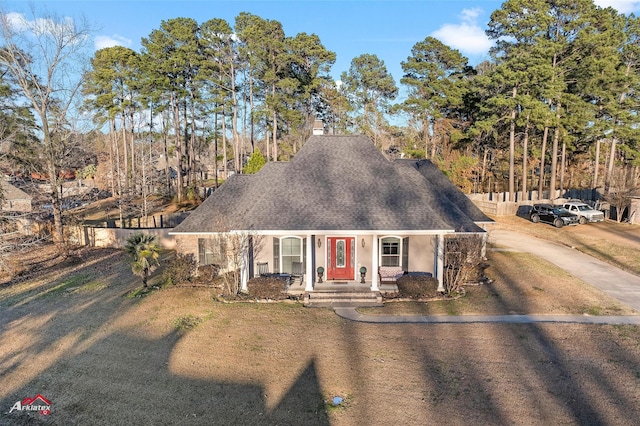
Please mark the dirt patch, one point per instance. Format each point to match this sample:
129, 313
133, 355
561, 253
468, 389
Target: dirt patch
84, 337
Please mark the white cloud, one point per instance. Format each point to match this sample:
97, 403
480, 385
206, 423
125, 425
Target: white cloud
622, 6
17, 21
467, 36
102, 42
470, 15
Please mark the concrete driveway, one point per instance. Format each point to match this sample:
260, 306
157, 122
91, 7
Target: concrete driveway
613, 281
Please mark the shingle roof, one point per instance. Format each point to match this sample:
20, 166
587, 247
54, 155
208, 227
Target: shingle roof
335, 183
10, 192
448, 190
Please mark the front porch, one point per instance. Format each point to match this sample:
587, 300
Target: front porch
336, 263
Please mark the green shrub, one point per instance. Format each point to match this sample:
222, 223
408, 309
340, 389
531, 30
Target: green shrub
267, 288
207, 274
415, 153
179, 270
417, 286
255, 163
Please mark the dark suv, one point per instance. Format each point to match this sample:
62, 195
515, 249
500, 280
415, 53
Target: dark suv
555, 215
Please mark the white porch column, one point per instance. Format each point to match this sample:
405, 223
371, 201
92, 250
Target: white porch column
374, 264
244, 264
309, 279
439, 266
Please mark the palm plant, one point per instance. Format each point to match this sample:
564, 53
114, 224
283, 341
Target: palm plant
143, 251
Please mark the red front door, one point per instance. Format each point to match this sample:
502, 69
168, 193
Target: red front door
340, 258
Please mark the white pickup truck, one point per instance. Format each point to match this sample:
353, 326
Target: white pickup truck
586, 213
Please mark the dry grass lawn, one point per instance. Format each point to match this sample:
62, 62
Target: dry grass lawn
75, 333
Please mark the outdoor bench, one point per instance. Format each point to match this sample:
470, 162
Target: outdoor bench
389, 274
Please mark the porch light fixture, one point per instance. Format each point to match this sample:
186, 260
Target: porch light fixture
362, 242
320, 271
363, 272
319, 242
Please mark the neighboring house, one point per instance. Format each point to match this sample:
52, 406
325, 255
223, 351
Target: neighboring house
14, 199
339, 204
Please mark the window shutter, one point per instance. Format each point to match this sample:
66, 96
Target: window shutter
276, 255
405, 254
304, 252
251, 258
201, 251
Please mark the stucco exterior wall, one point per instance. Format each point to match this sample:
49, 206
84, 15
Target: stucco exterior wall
421, 253
363, 254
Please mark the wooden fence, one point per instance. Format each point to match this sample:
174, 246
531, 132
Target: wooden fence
110, 233
114, 237
498, 204
158, 221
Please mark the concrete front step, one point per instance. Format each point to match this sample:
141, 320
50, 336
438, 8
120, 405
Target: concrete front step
334, 299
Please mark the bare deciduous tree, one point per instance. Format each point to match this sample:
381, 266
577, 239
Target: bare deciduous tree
463, 261
235, 248
46, 55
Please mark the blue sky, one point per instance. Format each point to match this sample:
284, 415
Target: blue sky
388, 29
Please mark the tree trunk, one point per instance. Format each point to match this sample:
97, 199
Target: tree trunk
178, 141
563, 165
165, 148
432, 136
192, 144
554, 156
275, 136
58, 230
234, 120
483, 174
113, 139
543, 153
125, 154
133, 152
525, 154
118, 179
512, 156
215, 144
186, 143
612, 154
425, 136
596, 165
251, 121
224, 143
512, 149
267, 137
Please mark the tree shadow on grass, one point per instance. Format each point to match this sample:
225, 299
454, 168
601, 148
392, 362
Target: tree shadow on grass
71, 347
126, 380
501, 374
531, 374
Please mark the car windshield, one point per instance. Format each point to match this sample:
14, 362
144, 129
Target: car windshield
583, 207
560, 210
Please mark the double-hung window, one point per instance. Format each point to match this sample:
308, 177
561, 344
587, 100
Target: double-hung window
212, 251
390, 251
291, 251
394, 251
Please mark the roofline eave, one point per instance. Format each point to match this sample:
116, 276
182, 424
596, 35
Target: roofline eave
324, 232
